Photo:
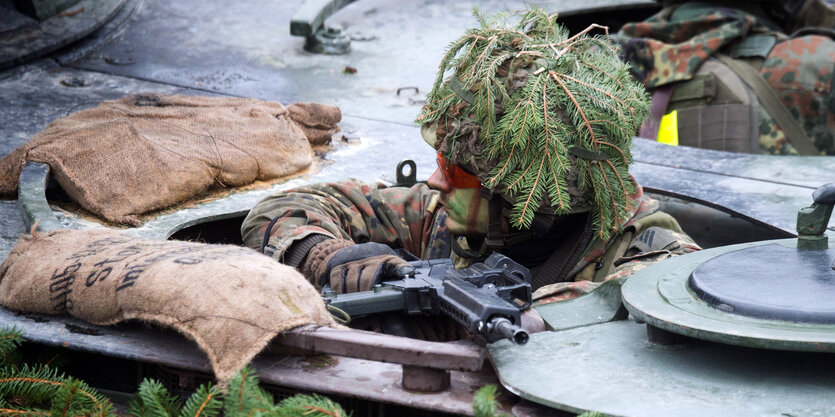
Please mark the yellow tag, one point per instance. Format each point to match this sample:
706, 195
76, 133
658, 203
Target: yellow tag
668, 129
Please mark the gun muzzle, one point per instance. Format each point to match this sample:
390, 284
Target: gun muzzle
504, 328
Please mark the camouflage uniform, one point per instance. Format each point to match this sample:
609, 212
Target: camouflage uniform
813, 13
412, 219
668, 48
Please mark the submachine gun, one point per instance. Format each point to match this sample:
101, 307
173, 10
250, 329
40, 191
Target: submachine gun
486, 298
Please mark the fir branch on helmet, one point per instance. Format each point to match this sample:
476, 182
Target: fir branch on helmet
547, 104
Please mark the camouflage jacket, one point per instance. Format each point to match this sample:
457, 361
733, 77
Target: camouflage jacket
412, 219
672, 45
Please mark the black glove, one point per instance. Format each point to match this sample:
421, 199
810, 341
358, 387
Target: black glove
350, 267
359, 267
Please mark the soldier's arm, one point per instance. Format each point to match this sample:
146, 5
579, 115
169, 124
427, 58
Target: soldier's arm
347, 210
651, 245
651, 237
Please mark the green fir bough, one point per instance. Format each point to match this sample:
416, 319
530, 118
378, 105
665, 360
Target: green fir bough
547, 104
41, 391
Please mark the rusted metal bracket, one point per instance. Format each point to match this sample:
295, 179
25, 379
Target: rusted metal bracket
426, 365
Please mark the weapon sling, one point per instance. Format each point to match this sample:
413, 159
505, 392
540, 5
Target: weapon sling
769, 100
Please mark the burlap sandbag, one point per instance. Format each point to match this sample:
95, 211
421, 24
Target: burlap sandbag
145, 152
318, 121
231, 300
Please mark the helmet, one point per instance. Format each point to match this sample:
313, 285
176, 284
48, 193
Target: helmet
543, 119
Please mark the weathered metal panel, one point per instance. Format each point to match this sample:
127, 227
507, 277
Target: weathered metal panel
600, 306
337, 375
385, 348
660, 296
612, 368
31, 198
768, 189
56, 30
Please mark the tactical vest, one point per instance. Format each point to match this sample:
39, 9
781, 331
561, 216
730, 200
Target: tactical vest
766, 92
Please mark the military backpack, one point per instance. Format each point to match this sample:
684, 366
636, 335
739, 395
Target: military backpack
732, 79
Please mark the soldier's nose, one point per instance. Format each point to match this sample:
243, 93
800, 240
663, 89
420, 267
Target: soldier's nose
438, 181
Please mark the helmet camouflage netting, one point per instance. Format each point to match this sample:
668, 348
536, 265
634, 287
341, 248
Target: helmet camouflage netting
542, 118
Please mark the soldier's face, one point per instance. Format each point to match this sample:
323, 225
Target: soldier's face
461, 196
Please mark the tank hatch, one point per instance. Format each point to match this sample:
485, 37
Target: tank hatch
740, 330
772, 294
770, 282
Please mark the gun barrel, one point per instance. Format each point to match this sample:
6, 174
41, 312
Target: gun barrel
504, 328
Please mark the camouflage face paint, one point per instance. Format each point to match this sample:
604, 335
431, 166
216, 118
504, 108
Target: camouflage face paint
466, 211
457, 176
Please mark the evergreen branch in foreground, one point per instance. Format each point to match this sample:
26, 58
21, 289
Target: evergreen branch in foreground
41, 391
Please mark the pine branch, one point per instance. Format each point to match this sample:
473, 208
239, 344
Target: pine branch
310, 406
34, 387
576, 104
245, 396
560, 92
153, 400
23, 412
557, 190
485, 402
9, 342
73, 398
10, 339
40, 391
205, 402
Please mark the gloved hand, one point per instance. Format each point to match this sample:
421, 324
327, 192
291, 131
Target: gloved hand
353, 267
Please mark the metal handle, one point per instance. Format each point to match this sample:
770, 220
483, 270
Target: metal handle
309, 22
406, 178
812, 221
31, 198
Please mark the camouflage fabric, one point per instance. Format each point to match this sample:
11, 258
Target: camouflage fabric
813, 13
650, 236
407, 218
800, 71
663, 49
666, 49
411, 218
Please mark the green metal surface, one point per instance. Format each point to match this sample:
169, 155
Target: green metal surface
611, 368
359, 304
772, 282
811, 223
602, 305
312, 14
55, 30
660, 296
31, 200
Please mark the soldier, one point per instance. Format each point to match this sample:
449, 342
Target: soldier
575, 219
740, 76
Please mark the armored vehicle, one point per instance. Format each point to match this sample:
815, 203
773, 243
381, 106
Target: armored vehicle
741, 328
